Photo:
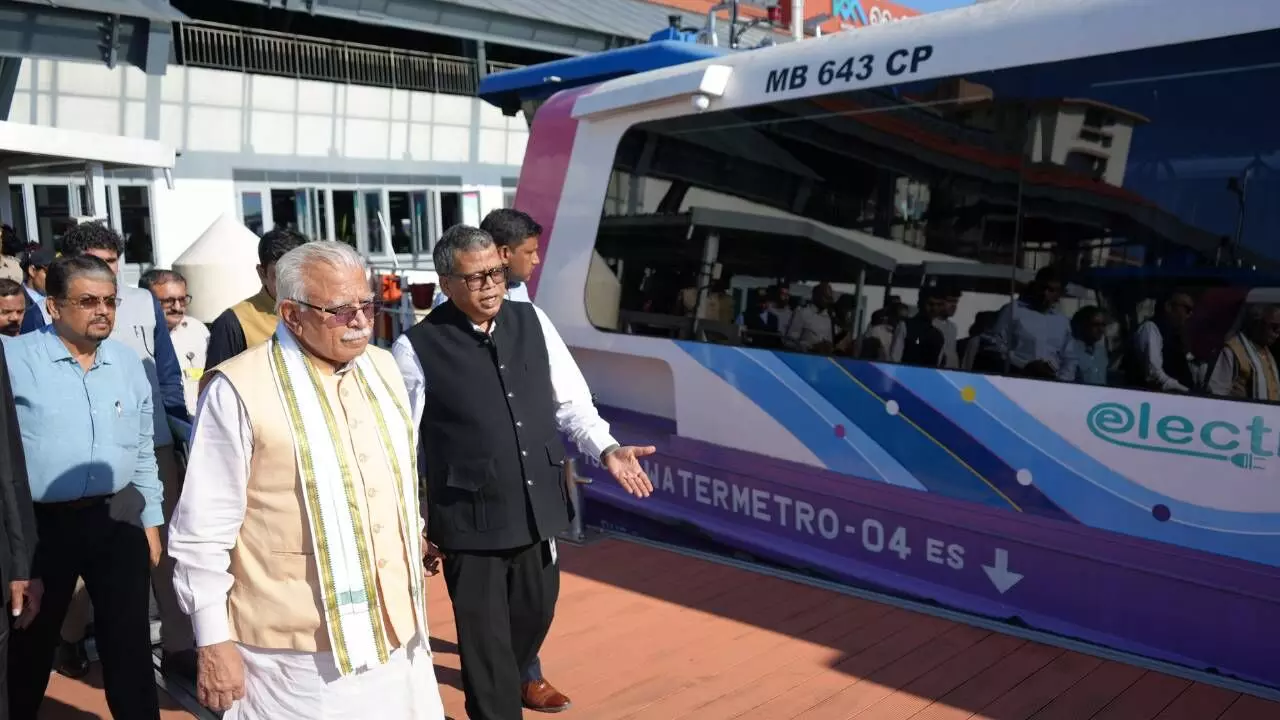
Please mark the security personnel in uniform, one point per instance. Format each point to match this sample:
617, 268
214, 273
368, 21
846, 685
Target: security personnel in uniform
479, 374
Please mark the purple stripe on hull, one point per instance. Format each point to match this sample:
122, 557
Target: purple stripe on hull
1197, 609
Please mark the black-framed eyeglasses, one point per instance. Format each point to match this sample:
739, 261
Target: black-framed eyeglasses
93, 302
344, 314
170, 302
476, 281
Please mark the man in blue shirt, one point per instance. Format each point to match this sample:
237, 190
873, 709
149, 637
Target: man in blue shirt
84, 407
140, 324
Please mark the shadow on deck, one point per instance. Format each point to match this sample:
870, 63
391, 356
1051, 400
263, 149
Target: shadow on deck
643, 633
83, 700
647, 634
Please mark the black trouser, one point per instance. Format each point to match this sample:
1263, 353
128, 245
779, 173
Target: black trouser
532, 673
4, 662
81, 539
503, 603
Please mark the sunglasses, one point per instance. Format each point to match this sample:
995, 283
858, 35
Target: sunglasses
344, 314
93, 302
476, 281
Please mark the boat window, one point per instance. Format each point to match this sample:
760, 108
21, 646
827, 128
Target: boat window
1111, 220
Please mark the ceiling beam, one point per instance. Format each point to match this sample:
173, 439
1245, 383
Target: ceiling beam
59, 33
452, 20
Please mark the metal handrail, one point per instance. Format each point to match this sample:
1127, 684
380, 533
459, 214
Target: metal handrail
493, 66
264, 52
577, 528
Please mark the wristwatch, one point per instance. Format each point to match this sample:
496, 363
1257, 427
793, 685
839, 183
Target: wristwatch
608, 450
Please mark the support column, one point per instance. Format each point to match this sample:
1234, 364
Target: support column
95, 190
9, 69
477, 105
707, 274
6, 200
159, 46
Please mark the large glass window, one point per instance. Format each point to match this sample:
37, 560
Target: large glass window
450, 210
251, 211
300, 209
344, 217
1106, 221
373, 221
135, 224
53, 213
376, 220
19, 223
407, 225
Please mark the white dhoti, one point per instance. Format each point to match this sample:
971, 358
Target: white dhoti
287, 685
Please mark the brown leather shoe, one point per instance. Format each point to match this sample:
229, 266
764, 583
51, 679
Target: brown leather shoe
541, 696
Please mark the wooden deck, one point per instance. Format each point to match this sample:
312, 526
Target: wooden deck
83, 700
646, 634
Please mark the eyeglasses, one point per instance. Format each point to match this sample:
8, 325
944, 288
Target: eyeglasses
476, 281
93, 302
170, 302
344, 314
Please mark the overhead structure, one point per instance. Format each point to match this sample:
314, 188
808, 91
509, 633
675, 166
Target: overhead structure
556, 26
138, 32
527, 88
36, 150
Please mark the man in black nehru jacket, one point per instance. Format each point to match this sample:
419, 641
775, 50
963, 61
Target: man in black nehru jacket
479, 372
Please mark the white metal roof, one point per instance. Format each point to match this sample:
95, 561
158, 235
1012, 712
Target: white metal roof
158, 10
985, 36
32, 149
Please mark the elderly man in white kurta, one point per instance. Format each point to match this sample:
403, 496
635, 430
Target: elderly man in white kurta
297, 540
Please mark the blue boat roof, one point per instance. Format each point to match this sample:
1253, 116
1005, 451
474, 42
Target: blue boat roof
1233, 275
508, 89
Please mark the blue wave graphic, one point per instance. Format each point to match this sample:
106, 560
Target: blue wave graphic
967, 450
783, 404
933, 466
955, 436
1102, 498
888, 466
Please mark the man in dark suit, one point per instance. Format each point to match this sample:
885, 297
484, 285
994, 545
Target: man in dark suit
35, 266
489, 383
18, 534
760, 322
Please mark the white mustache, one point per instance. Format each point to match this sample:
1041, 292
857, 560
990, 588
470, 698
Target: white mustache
359, 334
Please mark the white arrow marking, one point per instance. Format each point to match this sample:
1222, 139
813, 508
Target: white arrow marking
1000, 574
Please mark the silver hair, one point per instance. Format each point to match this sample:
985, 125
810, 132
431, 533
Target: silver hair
459, 238
291, 269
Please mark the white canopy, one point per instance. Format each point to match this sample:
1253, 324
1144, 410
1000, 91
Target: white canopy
219, 268
36, 150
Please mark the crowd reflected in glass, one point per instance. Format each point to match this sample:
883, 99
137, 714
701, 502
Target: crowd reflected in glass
1109, 221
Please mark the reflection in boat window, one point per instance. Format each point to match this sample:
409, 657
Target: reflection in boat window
1110, 220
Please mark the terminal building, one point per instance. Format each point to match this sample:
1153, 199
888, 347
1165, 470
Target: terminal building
350, 120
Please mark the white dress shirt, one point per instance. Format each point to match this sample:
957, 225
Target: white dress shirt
191, 343
216, 487
1149, 342
810, 326
1027, 335
576, 415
